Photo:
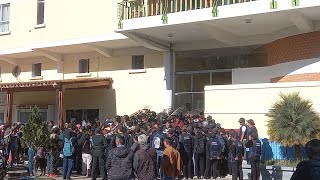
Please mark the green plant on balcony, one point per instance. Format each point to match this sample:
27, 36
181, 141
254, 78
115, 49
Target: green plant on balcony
136, 7
215, 8
164, 17
293, 122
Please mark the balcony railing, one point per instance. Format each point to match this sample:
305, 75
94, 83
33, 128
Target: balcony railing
129, 9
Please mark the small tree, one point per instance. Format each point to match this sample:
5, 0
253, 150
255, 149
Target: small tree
35, 132
293, 122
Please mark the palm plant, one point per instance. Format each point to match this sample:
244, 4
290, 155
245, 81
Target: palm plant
293, 122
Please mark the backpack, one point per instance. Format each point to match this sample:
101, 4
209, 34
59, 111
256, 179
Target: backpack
87, 146
214, 148
239, 149
187, 143
68, 148
157, 141
199, 144
256, 149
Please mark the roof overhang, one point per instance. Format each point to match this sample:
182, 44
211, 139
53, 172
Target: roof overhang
65, 84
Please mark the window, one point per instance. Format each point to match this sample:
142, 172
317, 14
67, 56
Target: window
40, 15
4, 17
36, 70
138, 62
84, 66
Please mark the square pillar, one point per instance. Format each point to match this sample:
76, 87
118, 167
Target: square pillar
60, 107
9, 107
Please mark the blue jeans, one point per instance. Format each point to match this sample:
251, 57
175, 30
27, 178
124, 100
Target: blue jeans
159, 162
165, 177
50, 163
30, 160
67, 167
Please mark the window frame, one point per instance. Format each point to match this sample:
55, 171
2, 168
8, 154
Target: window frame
136, 65
87, 67
4, 22
35, 71
40, 4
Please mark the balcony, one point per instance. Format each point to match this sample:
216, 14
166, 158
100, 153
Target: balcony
130, 9
207, 24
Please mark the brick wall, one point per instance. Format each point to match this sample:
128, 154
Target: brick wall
297, 78
298, 47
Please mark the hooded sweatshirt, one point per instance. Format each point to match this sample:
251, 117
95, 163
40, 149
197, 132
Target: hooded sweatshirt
307, 170
119, 163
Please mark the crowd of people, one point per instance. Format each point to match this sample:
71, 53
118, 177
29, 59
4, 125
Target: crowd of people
146, 146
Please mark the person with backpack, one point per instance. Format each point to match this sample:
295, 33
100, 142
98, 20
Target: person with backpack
145, 160
52, 152
186, 151
213, 151
199, 150
86, 153
68, 151
157, 143
174, 138
254, 145
99, 145
236, 152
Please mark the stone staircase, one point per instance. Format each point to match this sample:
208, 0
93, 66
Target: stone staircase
17, 172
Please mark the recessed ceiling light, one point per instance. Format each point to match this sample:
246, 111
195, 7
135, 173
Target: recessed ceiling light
170, 35
248, 20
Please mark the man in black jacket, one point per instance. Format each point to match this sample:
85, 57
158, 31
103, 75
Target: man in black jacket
309, 169
120, 160
98, 150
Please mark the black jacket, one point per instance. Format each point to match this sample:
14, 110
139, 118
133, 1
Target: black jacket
119, 163
307, 170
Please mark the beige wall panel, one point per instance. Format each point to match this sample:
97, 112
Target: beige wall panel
34, 98
63, 21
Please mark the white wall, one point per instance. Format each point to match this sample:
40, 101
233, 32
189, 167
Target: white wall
227, 103
265, 74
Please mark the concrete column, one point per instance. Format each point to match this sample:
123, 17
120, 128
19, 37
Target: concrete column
168, 61
60, 70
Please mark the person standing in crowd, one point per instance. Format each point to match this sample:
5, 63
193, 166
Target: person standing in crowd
86, 153
199, 149
145, 160
69, 143
252, 128
157, 143
254, 144
186, 150
172, 163
178, 122
98, 145
213, 151
236, 152
243, 131
120, 161
309, 169
175, 140
53, 148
